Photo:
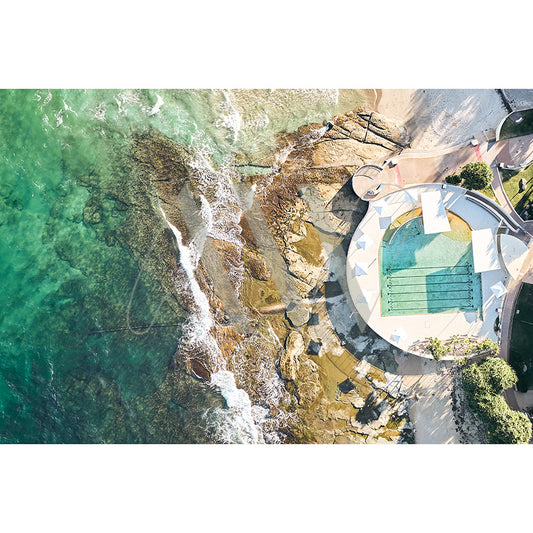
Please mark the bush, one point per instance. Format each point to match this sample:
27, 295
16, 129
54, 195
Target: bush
454, 179
498, 374
436, 348
483, 382
510, 427
476, 175
487, 345
492, 375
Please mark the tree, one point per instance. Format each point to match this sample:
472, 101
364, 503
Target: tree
454, 179
483, 382
476, 175
492, 375
507, 426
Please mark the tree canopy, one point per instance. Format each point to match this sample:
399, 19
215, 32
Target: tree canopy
483, 383
476, 175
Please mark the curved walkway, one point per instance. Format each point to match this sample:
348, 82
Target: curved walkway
418, 167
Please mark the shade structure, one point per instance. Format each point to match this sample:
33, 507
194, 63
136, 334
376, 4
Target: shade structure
513, 254
365, 296
380, 206
498, 289
484, 250
434, 214
411, 196
398, 335
364, 241
361, 269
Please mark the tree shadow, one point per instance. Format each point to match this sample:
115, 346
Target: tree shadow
422, 119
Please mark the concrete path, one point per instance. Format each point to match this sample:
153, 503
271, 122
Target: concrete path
431, 411
431, 405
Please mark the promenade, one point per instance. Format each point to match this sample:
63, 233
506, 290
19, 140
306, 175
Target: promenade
415, 167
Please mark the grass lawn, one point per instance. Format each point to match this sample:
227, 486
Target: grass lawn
489, 193
510, 179
511, 129
521, 350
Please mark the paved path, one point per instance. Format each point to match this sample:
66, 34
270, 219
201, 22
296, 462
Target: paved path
430, 167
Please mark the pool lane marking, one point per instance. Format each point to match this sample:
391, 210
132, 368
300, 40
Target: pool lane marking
398, 176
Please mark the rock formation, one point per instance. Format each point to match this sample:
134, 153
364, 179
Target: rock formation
293, 356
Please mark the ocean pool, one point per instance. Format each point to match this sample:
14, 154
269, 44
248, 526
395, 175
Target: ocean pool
423, 274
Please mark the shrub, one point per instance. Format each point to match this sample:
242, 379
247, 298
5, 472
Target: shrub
454, 179
510, 427
487, 345
498, 374
476, 175
436, 348
483, 382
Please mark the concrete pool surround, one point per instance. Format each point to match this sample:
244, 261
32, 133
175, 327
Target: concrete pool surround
383, 220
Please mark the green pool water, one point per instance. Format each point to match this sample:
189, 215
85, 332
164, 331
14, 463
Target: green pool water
421, 274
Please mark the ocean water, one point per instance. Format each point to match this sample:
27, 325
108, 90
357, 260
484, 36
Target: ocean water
71, 370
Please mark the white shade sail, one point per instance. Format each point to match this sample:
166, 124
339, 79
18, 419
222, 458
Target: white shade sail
398, 335
434, 213
365, 296
411, 196
364, 241
484, 250
380, 206
361, 269
498, 289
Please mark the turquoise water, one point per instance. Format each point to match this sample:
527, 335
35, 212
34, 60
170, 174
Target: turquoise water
70, 369
432, 273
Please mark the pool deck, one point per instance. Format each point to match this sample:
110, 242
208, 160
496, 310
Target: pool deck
419, 327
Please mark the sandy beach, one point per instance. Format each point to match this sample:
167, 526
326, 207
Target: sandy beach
436, 117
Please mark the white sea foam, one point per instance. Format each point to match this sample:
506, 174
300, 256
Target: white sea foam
240, 409
235, 424
68, 108
207, 214
223, 212
157, 106
232, 119
188, 259
100, 111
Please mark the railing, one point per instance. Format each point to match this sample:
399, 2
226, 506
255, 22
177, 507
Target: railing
495, 209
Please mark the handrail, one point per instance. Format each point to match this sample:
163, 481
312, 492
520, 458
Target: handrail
480, 198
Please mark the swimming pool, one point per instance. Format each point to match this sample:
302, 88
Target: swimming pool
421, 274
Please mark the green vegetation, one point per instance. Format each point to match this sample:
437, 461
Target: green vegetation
476, 175
483, 383
454, 179
436, 348
457, 179
521, 352
512, 129
461, 346
511, 180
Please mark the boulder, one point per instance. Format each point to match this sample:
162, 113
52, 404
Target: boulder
256, 265
297, 314
289, 359
308, 382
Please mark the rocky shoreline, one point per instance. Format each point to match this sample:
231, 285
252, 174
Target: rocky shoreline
316, 371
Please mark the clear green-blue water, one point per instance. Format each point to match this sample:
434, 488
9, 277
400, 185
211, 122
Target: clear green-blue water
433, 273
70, 371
